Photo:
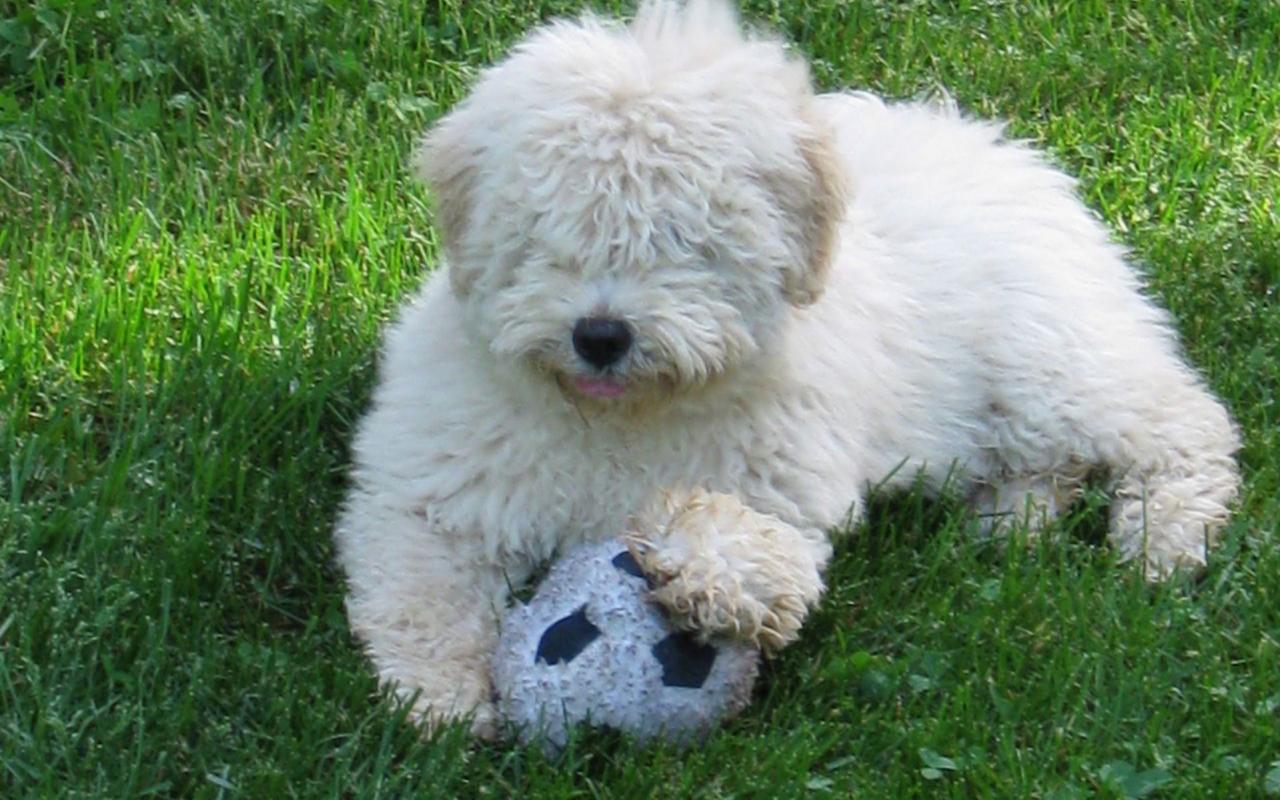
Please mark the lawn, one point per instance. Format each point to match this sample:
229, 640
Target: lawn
205, 219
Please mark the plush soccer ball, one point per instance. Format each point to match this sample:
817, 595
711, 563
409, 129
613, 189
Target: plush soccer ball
591, 648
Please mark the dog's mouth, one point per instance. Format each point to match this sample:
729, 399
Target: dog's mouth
601, 388
606, 390
577, 383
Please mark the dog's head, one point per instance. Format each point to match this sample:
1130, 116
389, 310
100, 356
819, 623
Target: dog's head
625, 208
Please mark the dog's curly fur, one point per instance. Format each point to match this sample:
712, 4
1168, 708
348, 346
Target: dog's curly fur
824, 293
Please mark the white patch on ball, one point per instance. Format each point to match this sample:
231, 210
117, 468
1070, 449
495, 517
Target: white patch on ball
591, 648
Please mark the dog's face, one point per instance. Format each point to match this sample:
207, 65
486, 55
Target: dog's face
625, 209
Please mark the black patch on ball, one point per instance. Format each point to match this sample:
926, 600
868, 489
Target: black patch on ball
564, 639
685, 661
627, 563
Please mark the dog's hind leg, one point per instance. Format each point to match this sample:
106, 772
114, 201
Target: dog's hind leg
1171, 505
1026, 502
1136, 415
1171, 457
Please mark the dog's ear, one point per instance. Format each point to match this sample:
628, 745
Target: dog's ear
820, 207
447, 160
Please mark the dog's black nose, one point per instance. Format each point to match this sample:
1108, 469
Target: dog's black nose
600, 341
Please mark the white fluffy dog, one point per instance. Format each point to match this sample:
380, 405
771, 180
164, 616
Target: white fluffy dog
689, 300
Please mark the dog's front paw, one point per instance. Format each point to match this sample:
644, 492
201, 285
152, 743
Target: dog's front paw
722, 569
468, 702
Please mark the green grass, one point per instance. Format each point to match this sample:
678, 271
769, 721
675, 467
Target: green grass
204, 221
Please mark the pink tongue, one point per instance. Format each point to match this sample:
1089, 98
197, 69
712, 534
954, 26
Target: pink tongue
599, 387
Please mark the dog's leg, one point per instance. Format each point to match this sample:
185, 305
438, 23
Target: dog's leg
1174, 474
1028, 502
1172, 502
721, 568
427, 611
1170, 517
